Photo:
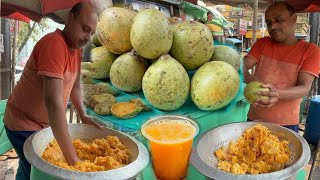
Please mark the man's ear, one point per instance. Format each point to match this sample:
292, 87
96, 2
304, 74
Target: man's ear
69, 18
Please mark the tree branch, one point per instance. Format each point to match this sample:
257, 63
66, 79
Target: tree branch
24, 42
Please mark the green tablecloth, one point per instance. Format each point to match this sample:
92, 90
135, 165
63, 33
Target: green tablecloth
5, 144
236, 111
193, 174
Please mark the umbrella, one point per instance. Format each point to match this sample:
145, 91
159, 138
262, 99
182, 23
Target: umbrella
200, 12
195, 11
26, 10
233, 40
298, 5
18, 16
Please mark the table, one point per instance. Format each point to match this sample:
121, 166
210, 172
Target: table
236, 111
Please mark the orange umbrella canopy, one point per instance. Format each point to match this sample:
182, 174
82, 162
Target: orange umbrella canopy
298, 5
35, 10
303, 6
26, 10
18, 16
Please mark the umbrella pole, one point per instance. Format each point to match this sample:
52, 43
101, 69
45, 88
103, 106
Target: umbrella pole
0, 54
255, 15
6, 60
14, 54
314, 38
254, 28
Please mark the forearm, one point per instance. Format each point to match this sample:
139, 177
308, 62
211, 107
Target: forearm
76, 98
59, 126
249, 63
292, 93
248, 77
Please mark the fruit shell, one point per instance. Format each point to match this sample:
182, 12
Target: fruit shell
125, 110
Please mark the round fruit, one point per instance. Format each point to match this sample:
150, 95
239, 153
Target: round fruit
250, 92
166, 84
226, 54
113, 29
151, 35
102, 60
214, 85
127, 71
95, 40
192, 44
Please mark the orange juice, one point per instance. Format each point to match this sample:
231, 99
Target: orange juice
170, 139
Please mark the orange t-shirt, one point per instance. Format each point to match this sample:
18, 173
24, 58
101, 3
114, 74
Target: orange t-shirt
279, 65
26, 110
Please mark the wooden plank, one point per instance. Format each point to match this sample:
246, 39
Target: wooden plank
78, 118
315, 169
5, 63
71, 113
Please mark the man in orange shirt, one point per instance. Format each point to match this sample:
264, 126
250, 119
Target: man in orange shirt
50, 78
286, 65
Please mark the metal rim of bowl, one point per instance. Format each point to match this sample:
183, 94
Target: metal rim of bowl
215, 173
173, 117
135, 167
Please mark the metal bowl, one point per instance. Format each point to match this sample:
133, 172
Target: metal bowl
204, 160
35, 145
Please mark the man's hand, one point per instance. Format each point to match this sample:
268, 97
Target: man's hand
76, 99
75, 159
88, 120
53, 97
273, 95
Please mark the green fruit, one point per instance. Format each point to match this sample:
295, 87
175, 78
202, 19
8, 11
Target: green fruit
113, 29
89, 90
127, 71
103, 108
102, 61
107, 88
101, 98
151, 35
166, 84
86, 65
95, 40
250, 92
214, 85
100, 53
85, 77
192, 44
226, 54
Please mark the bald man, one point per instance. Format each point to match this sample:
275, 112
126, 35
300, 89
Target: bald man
50, 78
285, 65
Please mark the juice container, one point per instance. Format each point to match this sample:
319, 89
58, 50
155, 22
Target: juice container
170, 139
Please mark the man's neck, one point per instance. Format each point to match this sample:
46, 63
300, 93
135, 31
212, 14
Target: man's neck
64, 33
290, 41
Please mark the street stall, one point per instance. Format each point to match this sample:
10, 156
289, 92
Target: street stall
216, 22
124, 90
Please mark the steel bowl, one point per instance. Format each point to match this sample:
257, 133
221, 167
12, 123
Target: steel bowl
36, 143
204, 160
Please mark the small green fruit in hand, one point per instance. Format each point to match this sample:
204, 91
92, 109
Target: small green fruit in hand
250, 92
